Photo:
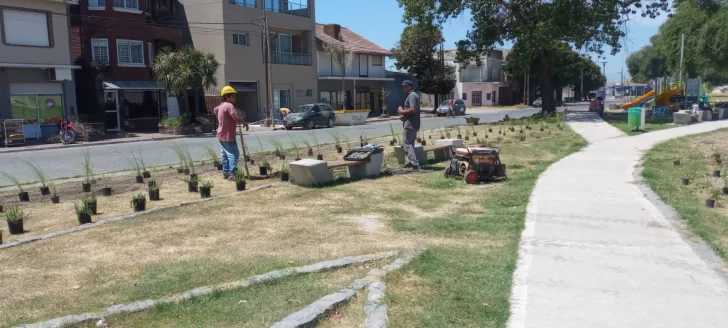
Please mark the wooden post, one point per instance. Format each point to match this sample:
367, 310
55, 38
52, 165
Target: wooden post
245, 154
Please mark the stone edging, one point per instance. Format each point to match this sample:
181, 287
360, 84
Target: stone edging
66, 231
308, 316
202, 291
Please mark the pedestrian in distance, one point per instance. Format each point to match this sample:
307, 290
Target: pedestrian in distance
450, 107
410, 117
228, 120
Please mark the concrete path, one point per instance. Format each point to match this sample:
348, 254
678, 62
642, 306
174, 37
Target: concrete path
596, 252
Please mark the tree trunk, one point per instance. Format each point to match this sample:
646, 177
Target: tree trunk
546, 85
343, 89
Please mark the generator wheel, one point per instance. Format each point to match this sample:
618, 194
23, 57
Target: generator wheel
470, 177
448, 172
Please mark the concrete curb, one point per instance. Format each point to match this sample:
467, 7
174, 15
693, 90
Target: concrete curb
308, 316
202, 291
66, 231
90, 144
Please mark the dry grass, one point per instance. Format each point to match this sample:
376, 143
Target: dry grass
222, 240
349, 316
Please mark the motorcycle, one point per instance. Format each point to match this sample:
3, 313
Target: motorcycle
68, 132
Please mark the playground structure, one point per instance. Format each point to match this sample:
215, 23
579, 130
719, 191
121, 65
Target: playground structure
662, 99
666, 89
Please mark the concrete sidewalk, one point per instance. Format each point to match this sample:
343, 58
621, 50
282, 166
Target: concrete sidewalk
597, 252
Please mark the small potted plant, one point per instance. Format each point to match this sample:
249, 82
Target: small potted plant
716, 172
285, 172
106, 190
139, 202
676, 162
686, 180
205, 189
192, 184
83, 213
22, 194
239, 180
90, 201
55, 199
153, 188
15, 217
263, 168
393, 134
460, 135
714, 195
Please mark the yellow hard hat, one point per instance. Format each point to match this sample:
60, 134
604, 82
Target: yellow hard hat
227, 89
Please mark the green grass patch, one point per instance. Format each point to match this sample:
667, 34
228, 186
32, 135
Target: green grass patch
619, 121
711, 224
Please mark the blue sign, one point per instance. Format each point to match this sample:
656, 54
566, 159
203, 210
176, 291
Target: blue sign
692, 88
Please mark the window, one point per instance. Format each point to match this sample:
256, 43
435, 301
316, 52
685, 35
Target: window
244, 3
465, 96
487, 96
377, 60
130, 53
100, 50
126, 4
304, 93
97, 3
240, 39
26, 28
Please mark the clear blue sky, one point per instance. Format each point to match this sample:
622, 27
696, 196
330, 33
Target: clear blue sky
381, 22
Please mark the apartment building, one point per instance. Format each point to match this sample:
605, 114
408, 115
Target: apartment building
36, 79
115, 42
364, 77
485, 85
238, 45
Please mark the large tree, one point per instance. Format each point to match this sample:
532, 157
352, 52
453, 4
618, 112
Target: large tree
535, 25
646, 64
415, 52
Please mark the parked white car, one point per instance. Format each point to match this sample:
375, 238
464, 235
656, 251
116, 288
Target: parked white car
537, 102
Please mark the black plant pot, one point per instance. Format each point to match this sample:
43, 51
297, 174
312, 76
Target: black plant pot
460, 136
193, 176
320, 157
219, 167
23, 196
676, 162
252, 162
467, 138
1, 209
45, 191
282, 157
153, 194
91, 206
490, 130
186, 171
541, 129
146, 174
56, 199
140, 206
442, 138
284, 176
716, 173
180, 170
86, 187
16, 227
139, 179
205, 192
475, 134
240, 186
192, 186
248, 158
297, 159
710, 203
424, 142
83, 218
686, 181
339, 149
419, 139
429, 137
310, 152
106, 191
263, 170
391, 142
725, 191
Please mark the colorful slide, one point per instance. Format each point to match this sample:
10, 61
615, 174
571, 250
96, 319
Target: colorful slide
639, 100
663, 99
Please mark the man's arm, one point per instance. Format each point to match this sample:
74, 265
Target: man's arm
239, 119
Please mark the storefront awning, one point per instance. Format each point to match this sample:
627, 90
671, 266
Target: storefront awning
132, 85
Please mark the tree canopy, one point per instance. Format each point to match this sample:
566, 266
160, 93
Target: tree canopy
177, 70
534, 26
415, 52
646, 64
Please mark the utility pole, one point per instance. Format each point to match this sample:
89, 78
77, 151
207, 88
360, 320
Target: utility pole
525, 77
269, 115
581, 93
604, 88
682, 44
528, 86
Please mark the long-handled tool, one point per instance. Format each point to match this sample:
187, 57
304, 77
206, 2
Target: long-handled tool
245, 153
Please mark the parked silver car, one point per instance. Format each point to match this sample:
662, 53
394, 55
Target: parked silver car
458, 108
537, 102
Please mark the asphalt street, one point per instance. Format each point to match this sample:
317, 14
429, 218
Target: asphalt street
67, 162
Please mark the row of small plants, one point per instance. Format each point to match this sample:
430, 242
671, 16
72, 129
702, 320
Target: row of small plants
714, 194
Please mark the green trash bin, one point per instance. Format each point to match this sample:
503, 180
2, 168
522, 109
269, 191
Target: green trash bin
633, 118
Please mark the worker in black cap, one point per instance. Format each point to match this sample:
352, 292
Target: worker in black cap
410, 117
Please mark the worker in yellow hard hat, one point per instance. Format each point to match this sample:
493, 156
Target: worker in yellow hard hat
228, 119
284, 111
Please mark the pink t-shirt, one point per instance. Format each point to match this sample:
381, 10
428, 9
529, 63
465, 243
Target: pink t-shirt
227, 125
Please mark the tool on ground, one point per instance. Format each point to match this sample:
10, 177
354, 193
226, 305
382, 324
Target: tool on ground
476, 164
245, 153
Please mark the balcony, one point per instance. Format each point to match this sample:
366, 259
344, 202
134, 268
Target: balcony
289, 58
287, 7
161, 13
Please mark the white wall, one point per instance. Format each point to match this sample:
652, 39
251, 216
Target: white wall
326, 69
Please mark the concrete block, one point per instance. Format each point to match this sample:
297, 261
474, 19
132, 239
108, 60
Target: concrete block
419, 152
368, 170
707, 115
681, 118
310, 172
449, 142
445, 154
722, 113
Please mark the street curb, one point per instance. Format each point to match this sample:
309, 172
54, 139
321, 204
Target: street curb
74, 145
112, 219
203, 291
308, 316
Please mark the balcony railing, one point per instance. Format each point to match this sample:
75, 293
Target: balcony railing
289, 58
286, 7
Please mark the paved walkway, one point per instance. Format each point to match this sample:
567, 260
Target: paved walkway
595, 252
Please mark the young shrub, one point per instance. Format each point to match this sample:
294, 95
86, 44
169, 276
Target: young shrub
296, 146
212, 155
